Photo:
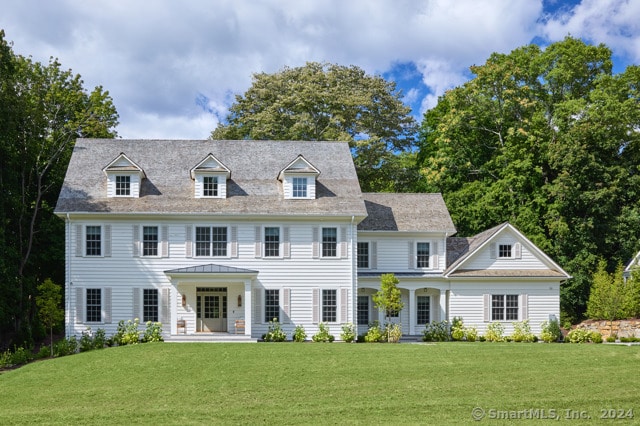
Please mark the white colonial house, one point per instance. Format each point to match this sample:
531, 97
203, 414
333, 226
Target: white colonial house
216, 237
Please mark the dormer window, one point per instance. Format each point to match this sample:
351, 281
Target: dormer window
124, 177
123, 186
210, 186
299, 187
299, 179
210, 177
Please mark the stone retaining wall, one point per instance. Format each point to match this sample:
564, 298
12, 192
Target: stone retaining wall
622, 328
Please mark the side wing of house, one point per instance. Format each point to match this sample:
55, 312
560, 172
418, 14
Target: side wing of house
404, 234
501, 276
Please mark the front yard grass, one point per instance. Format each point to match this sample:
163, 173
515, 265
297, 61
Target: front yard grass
282, 383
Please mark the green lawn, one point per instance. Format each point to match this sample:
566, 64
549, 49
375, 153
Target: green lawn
280, 383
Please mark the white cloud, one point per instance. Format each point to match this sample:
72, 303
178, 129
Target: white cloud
612, 22
157, 58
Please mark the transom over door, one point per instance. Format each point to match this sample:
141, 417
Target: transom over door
212, 311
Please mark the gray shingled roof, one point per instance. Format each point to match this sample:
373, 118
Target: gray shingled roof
459, 248
406, 212
253, 189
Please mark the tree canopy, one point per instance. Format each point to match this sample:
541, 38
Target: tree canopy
44, 108
548, 140
333, 103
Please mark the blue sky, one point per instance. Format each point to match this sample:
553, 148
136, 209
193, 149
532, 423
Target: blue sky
173, 68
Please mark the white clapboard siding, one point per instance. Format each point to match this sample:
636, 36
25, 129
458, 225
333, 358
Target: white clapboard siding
522, 256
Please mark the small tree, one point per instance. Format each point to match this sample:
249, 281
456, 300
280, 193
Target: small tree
388, 299
612, 298
49, 301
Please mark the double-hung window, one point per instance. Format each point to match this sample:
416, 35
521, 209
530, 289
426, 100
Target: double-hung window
363, 254
93, 241
504, 307
94, 305
210, 186
211, 241
299, 187
123, 186
271, 305
271, 241
149, 240
150, 305
329, 305
329, 242
422, 255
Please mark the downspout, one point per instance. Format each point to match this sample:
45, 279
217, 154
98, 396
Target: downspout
354, 279
68, 277
446, 299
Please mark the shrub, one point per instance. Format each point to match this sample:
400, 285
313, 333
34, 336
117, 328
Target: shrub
611, 339
21, 356
153, 332
495, 332
323, 334
393, 332
596, 337
274, 332
65, 347
5, 359
86, 340
44, 352
457, 329
551, 331
128, 333
581, 335
348, 333
299, 334
100, 339
437, 331
471, 334
522, 332
374, 334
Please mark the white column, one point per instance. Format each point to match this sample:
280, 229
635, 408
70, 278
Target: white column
412, 312
443, 305
248, 307
173, 307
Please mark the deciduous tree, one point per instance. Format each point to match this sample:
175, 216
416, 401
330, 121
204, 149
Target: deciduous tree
49, 303
546, 139
46, 109
329, 102
388, 299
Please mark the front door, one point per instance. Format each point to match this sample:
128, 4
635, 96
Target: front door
212, 309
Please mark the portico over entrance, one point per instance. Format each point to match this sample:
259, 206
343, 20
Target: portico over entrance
211, 298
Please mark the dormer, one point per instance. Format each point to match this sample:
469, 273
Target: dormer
210, 177
123, 177
299, 180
